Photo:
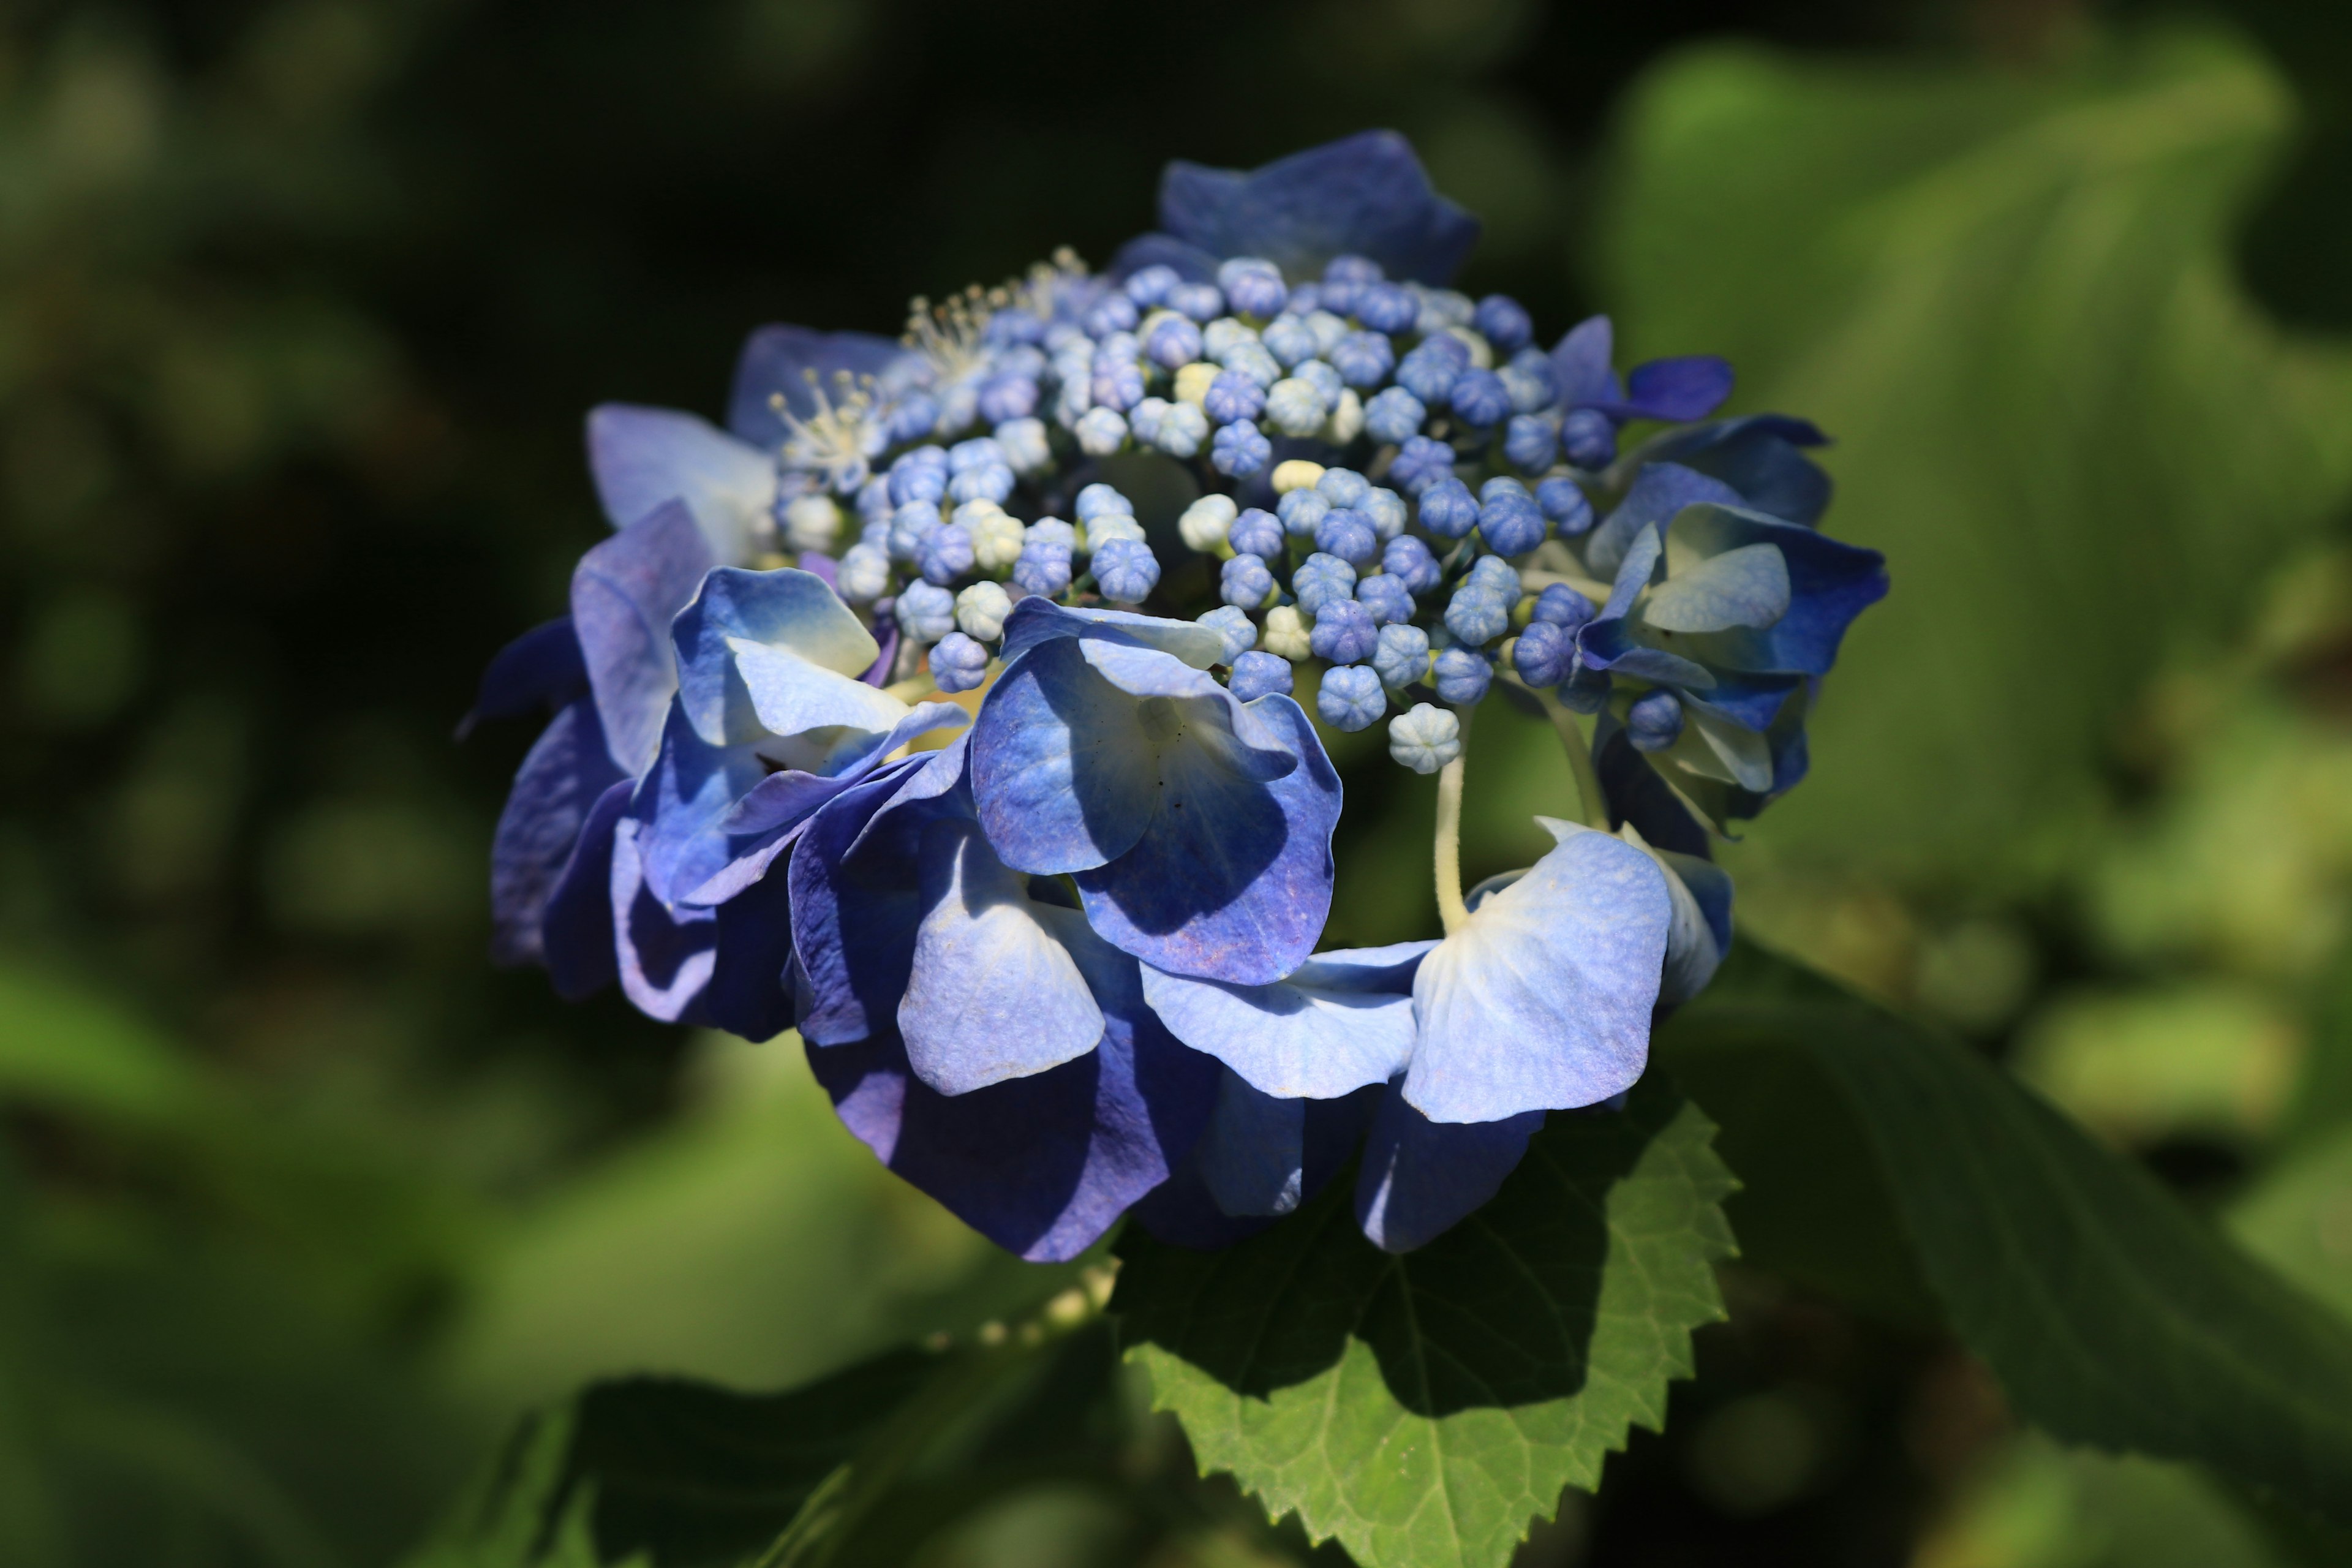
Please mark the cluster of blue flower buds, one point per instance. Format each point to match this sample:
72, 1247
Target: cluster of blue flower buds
942, 707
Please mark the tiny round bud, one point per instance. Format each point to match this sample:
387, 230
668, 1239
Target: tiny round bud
1235, 626
1462, 675
1258, 531
1588, 437
926, 612
1257, 674
1126, 571
1298, 474
1239, 450
1207, 522
1244, 581
1541, 654
981, 610
1343, 633
1286, 633
1401, 656
1320, 580
812, 522
1350, 697
958, 663
1563, 500
1654, 721
1448, 510
1386, 597
1425, 737
1563, 606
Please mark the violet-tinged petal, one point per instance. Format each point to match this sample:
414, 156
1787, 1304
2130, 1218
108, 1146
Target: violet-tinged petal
624, 593
993, 993
680, 806
1061, 768
1419, 1178
856, 900
1339, 1022
643, 457
557, 786
1232, 878
1542, 1000
542, 668
1041, 1165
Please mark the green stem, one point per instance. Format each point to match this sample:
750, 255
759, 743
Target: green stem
1594, 805
1450, 910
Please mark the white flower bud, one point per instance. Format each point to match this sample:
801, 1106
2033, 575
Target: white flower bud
1206, 522
981, 610
812, 522
1287, 630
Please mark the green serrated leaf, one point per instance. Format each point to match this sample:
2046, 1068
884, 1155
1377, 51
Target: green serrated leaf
1426, 1409
2112, 1315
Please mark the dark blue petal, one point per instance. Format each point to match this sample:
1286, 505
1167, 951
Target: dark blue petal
541, 667
1659, 490
1036, 620
1637, 795
680, 804
1757, 456
557, 786
1419, 1178
1232, 879
625, 593
857, 897
576, 931
643, 457
1675, 389
665, 956
1041, 1165
748, 994
1609, 644
776, 362
1364, 195
1183, 1212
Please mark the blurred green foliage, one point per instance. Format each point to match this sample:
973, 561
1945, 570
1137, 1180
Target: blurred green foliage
301, 301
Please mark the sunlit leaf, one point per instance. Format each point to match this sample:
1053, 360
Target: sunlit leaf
1424, 1409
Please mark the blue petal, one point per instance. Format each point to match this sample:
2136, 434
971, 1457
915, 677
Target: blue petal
541, 667
774, 653
1061, 769
1036, 620
1253, 1158
762, 824
1582, 364
1701, 890
1419, 1178
1752, 701
1609, 645
1677, 389
558, 784
576, 931
1342, 1020
1183, 1212
1542, 999
1659, 490
856, 900
1232, 879
645, 457
747, 994
993, 992
776, 363
1041, 1165
625, 593
1757, 456
680, 806
665, 956
1364, 195
1637, 795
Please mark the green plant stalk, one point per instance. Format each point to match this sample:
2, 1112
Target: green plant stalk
1450, 910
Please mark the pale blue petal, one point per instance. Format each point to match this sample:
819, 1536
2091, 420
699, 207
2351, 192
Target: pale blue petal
644, 457
1342, 1020
1747, 586
1036, 620
993, 993
1542, 999
1658, 493
624, 593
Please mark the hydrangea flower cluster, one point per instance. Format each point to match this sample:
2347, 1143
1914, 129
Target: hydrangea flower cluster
945, 706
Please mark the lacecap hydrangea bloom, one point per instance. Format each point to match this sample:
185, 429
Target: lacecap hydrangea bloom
951, 704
